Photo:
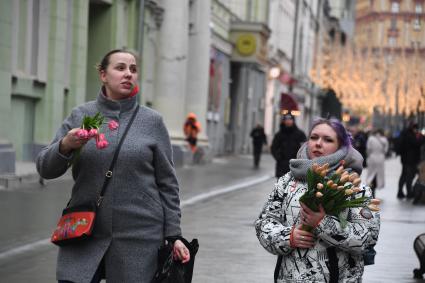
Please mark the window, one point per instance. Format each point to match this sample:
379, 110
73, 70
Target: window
193, 15
30, 31
418, 8
415, 44
392, 41
395, 7
393, 23
417, 23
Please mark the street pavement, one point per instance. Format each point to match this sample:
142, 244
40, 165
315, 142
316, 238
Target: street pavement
220, 202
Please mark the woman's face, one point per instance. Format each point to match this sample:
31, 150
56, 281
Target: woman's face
120, 77
322, 141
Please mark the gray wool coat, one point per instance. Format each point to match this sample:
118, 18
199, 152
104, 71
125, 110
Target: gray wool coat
141, 205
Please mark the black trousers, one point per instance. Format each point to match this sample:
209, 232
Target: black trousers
408, 173
257, 155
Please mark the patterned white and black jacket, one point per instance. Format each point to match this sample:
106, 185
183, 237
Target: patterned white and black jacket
282, 211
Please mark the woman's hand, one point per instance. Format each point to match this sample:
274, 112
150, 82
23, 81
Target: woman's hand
180, 252
71, 141
310, 217
302, 239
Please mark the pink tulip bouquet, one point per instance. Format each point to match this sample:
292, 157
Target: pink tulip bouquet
91, 128
335, 192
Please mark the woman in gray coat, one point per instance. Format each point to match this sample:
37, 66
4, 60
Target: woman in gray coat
141, 205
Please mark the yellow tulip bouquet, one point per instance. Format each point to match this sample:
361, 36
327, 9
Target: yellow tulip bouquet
335, 192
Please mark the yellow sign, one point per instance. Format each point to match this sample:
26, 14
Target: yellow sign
246, 44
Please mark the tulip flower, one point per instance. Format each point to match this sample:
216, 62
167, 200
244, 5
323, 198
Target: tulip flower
334, 192
373, 207
113, 125
101, 144
339, 170
82, 134
92, 133
357, 182
90, 128
353, 176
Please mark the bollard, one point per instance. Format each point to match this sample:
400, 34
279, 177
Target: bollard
419, 247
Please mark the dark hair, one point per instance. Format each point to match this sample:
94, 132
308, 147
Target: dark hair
103, 65
344, 137
379, 131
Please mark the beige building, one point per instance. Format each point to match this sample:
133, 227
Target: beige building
397, 24
390, 35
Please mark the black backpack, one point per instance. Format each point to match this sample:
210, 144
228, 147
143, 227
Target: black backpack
398, 145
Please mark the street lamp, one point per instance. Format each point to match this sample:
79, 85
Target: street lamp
274, 73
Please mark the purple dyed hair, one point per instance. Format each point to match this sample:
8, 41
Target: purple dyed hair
344, 137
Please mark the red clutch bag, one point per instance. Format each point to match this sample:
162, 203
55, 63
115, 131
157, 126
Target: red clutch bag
75, 224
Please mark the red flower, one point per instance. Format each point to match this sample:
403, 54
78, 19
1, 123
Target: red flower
134, 91
113, 125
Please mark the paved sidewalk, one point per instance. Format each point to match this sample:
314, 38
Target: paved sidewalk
401, 222
27, 256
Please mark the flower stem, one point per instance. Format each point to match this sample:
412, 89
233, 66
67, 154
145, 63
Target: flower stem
307, 228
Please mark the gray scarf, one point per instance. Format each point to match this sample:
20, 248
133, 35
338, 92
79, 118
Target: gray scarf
353, 159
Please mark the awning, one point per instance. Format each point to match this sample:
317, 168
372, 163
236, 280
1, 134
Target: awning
287, 79
288, 102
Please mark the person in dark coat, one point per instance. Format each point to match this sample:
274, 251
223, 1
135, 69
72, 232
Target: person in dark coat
410, 143
359, 142
258, 139
286, 143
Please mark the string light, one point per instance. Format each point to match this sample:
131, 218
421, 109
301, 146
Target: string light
364, 79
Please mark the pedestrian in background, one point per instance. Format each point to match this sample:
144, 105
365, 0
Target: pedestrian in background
258, 140
141, 205
359, 142
376, 148
409, 148
329, 253
286, 143
191, 129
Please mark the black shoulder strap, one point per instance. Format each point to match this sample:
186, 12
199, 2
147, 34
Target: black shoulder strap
277, 268
108, 174
333, 265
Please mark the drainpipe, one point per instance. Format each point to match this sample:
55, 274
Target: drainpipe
294, 42
140, 40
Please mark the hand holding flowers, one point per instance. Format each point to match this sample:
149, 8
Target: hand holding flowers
90, 128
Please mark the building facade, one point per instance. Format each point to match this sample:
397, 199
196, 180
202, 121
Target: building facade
238, 60
49, 51
390, 36
44, 52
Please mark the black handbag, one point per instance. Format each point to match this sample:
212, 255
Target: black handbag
172, 271
76, 223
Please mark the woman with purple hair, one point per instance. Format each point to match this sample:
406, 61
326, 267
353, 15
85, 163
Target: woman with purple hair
331, 252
